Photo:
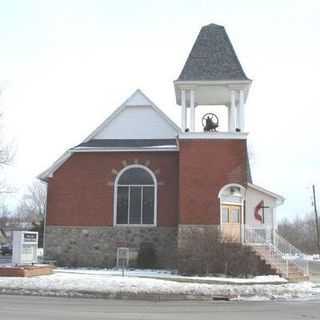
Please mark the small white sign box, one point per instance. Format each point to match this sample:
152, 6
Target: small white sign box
25, 246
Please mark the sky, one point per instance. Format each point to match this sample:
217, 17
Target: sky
66, 65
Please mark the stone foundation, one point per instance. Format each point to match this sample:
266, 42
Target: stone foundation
97, 246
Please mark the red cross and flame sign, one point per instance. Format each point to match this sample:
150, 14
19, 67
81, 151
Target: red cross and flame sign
258, 211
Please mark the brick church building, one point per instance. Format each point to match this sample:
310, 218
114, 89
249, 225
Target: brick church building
139, 178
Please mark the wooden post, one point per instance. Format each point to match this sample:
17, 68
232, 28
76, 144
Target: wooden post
241, 111
316, 215
183, 110
192, 111
232, 120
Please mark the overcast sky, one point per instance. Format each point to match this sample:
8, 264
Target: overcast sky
66, 65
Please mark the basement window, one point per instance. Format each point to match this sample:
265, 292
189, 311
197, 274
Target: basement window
135, 196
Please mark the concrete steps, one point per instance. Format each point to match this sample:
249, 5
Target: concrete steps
288, 270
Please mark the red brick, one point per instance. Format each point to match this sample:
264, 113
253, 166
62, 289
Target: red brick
205, 166
80, 194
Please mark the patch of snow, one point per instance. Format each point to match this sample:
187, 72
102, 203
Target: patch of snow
303, 257
61, 283
171, 274
312, 257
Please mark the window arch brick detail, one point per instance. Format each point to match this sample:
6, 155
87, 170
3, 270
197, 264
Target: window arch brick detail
135, 196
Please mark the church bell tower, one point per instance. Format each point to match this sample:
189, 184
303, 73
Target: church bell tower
212, 76
210, 158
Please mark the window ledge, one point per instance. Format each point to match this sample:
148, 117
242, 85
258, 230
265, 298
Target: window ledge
135, 225
213, 135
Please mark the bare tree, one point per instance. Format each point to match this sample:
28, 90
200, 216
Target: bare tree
32, 206
6, 156
4, 216
301, 232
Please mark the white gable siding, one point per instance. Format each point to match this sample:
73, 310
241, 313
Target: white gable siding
137, 122
138, 99
252, 199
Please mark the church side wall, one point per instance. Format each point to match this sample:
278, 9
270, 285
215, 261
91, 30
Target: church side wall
81, 192
79, 226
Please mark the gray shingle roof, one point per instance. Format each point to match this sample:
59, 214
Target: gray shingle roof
128, 143
212, 58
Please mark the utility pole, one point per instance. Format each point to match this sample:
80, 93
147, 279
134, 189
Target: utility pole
316, 215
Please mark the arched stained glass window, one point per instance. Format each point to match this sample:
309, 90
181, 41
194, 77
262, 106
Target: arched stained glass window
135, 196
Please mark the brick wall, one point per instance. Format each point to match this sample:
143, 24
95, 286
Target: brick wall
81, 191
205, 166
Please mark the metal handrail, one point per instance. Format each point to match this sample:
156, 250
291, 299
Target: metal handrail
253, 237
291, 253
277, 246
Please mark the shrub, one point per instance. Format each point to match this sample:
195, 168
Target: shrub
147, 258
203, 251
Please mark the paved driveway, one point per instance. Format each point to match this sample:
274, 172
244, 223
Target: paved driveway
36, 308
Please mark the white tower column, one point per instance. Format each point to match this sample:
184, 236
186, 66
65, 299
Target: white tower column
183, 110
241, 118
192, 111
232, 112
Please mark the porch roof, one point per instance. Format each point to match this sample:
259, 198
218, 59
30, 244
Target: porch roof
280, 199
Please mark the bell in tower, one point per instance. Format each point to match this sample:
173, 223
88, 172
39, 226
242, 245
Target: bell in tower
212, 76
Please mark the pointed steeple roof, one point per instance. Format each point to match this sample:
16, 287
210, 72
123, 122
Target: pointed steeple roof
212, 58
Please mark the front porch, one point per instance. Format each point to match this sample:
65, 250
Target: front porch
248, 216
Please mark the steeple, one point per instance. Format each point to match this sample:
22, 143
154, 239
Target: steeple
212, 75
212, 58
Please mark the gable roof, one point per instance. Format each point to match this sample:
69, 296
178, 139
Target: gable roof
212, 58
138, 98
271, 194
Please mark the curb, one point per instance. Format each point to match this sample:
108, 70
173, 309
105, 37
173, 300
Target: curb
114, 296
200, 281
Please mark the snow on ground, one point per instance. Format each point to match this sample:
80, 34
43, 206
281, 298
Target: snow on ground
172, 275
314, 257
75, 284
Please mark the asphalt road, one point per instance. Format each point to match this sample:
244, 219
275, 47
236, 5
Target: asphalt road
35, 308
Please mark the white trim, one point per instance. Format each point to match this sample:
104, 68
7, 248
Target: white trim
61, 160
135, 185
135, 225
125, 105
241, 204
142, 149
269, 193
225, 187
183, 111
205, 83
192, 110
241, 111
115, 197
214, 135
56, 165
233, 118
